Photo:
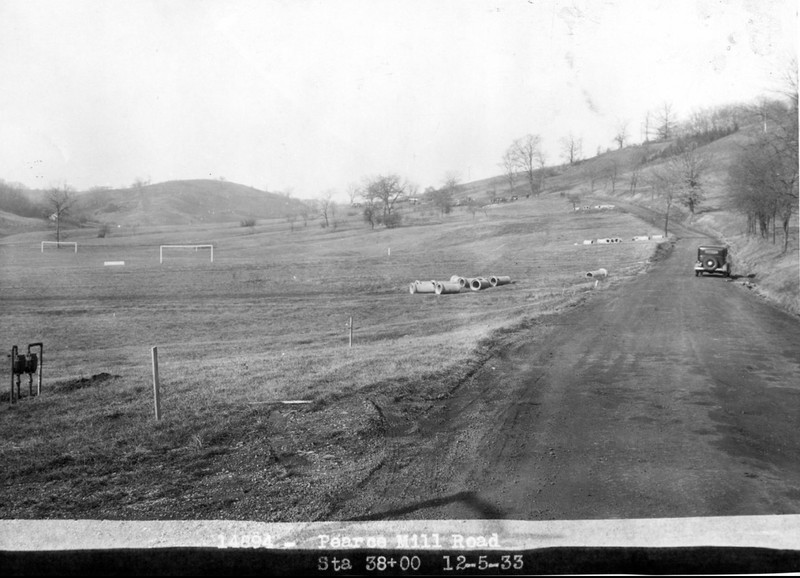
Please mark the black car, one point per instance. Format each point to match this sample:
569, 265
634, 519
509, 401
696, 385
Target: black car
712, 259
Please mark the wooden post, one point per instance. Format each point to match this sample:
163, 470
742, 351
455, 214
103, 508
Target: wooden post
351, 331
13, 357
156, 392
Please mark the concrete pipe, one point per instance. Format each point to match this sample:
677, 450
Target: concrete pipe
600, 273
641, 238
588, 242
466, 281
494, 281
424, 287
447, 287
479, 283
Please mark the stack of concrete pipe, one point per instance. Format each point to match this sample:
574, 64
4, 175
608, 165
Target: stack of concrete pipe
457, 283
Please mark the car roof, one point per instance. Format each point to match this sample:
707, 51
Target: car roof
701, 247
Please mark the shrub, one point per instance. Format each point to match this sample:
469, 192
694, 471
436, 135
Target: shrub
392, 220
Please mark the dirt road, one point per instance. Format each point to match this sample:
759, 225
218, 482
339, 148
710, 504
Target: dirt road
665, 396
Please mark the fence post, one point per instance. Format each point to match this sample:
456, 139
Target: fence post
156, 392
351, 331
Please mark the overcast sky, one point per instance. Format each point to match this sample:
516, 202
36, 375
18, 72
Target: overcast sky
314, 95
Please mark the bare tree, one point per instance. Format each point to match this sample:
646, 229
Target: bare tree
746, 181
665, 186
305, 213
353, 192
764, 182
473, 206
371, 212
528, 157
509, 166
636, 171
443, 197
326, 206
572, 149
610, 173
621, 136
666, 122
382, 192
764, 177
60, 200
646, 127
688, 169
575, 200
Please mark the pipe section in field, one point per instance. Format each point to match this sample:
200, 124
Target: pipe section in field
495, 281
479, 283
599, 273
447, 287
422, 287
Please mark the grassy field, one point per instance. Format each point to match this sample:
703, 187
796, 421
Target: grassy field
265, 322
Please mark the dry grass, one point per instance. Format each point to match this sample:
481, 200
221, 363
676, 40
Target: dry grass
267, 321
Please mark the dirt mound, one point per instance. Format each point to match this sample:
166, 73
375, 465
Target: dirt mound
82, 382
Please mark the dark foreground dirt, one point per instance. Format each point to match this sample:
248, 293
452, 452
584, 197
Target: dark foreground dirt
665, 396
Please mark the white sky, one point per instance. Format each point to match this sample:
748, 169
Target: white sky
313, 95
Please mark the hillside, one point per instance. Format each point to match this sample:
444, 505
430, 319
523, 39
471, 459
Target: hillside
183, 203
11, 224
611, 176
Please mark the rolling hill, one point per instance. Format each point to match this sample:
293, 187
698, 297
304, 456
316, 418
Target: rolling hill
184, 202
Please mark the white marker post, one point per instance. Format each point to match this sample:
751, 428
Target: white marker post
156, 392
351, 331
